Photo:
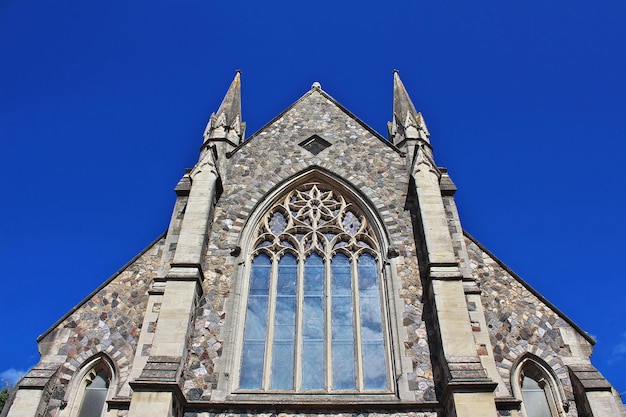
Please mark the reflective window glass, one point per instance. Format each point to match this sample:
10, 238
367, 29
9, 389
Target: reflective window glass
94, 396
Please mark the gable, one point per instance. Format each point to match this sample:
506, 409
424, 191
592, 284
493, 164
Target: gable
317, 113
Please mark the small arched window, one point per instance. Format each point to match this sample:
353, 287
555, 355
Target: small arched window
538, 390
89, 390
314, 315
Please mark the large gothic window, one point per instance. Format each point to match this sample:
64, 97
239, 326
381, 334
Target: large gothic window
314, 317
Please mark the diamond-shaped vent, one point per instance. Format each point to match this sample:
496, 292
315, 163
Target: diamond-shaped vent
314, 144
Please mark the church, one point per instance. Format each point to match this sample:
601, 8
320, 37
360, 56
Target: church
315, 268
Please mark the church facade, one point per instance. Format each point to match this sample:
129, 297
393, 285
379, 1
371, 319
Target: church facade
315, 268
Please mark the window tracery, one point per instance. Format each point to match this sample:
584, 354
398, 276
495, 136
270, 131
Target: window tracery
314, 316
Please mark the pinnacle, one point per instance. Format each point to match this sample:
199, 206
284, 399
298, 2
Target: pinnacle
407, 122
231, 105
401, 101
226, 122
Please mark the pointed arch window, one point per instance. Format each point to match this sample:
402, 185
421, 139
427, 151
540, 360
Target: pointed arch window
538, 390
90, 389
314, 315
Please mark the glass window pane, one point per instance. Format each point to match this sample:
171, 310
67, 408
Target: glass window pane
256, 324
94, 397
344, 374
374, 369
368, 275
283, 348
341, 280
256, 318
99, 382
313, 365
374, 364
342, 318
313, 312
284, 323
369, 299
314, 275
260, 275
252, 365
534, 398
287, 275
282, 366
277, 223
313, 318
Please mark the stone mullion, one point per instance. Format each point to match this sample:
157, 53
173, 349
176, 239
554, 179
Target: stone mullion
328, 325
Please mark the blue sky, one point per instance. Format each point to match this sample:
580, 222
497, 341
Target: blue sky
103, 105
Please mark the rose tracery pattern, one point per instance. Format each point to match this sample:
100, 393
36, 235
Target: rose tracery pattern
312, 218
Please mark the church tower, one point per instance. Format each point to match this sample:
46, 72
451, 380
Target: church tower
315, 268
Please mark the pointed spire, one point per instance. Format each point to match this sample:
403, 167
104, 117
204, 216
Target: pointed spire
226, 122
407, 122
231, 105
402, 103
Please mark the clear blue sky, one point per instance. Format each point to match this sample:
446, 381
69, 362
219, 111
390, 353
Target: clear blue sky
103, 105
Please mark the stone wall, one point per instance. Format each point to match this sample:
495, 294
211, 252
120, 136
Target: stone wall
365, 414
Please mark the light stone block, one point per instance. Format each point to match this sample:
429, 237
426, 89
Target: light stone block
25, 403
455, 328
475, 404
171, 332
151, 404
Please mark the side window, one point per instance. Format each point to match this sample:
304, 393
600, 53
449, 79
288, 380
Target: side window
538, 390
314, 315
89, 390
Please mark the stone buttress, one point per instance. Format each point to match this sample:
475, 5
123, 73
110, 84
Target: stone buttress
467, 388
157, 388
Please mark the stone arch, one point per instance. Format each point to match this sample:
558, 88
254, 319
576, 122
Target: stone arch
117, 356
518, 352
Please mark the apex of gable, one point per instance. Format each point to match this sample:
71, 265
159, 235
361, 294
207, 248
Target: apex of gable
316, 114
